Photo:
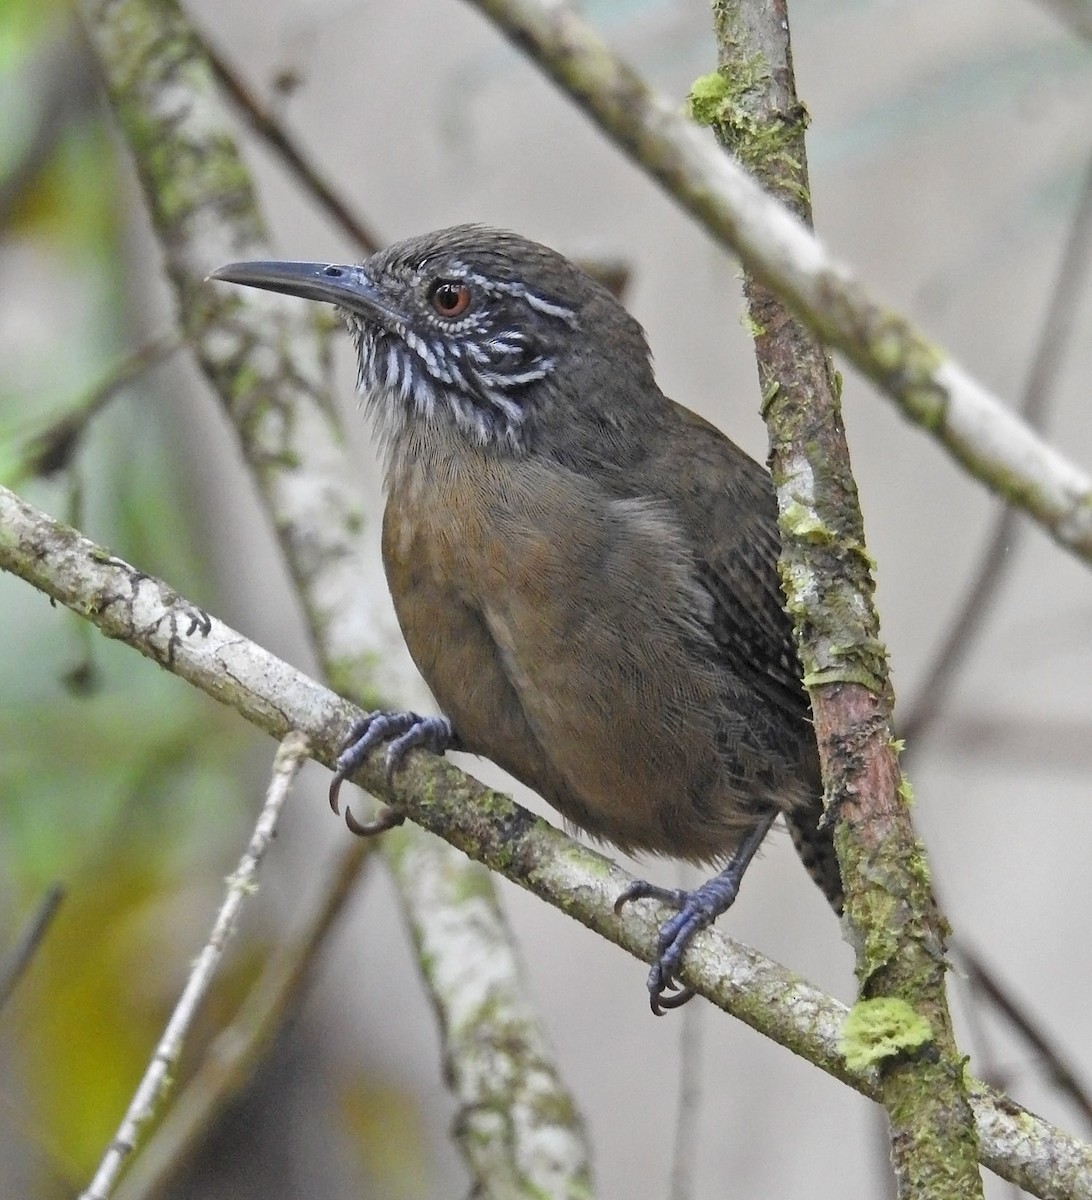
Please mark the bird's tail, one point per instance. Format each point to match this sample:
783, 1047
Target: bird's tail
814, 842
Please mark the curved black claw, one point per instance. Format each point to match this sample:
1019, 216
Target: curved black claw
697, 910
404, 731
385, 819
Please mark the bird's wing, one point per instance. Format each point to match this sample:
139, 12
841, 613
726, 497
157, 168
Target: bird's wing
725, 505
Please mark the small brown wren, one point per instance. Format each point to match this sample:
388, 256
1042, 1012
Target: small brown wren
584, 571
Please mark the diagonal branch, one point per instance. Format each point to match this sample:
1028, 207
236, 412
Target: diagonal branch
236, 1053
927, 384
50, 448
154, 620
266, 362
17, 960
1075, 14
273, 133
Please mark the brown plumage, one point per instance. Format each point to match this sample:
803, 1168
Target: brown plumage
584, 571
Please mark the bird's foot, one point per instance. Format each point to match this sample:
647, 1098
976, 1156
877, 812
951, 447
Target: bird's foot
697, 909
405, 731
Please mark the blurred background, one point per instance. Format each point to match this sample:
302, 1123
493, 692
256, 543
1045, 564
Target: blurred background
948, 150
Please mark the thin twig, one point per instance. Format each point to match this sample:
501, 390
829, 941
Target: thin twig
1030, 1029
612, 273
981, 1051
31, 938
153, 619
237, 1051
273, 133
291, 754
50, 449
999, 553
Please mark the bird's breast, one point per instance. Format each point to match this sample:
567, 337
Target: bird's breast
540, 609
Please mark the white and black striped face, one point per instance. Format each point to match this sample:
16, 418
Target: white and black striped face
457, 335
457, 326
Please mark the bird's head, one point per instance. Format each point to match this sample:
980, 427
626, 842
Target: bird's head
470, 328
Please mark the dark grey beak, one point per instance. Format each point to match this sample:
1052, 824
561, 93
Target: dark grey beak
347, 287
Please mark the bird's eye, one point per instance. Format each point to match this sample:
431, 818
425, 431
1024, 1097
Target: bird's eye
449, 298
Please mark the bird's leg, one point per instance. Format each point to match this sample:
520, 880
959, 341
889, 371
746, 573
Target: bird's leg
404, 731
697, 909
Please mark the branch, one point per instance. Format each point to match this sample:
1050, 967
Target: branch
154, 620
21, 955
1075, 14
273, 133
468, 961
688, 1127
1052, 1062
929, 387
266, 362
894, 925
50, 449
613, 274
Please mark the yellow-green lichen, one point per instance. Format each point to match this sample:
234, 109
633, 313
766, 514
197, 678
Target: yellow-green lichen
917, 865
882, 1028
707, 94
733, 101
751, 327
877, 920
801, 522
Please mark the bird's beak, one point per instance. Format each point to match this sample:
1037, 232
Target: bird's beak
347, 287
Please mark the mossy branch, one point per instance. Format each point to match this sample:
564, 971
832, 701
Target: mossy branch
267, 361
901, 1023
155, 621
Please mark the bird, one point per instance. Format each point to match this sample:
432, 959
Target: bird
584, 571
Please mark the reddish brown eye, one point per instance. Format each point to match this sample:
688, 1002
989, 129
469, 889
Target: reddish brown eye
450, 298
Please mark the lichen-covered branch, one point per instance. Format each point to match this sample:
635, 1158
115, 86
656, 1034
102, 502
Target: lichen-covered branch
551, 1159
901, 1023
929, 387
154, 620
266, 359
